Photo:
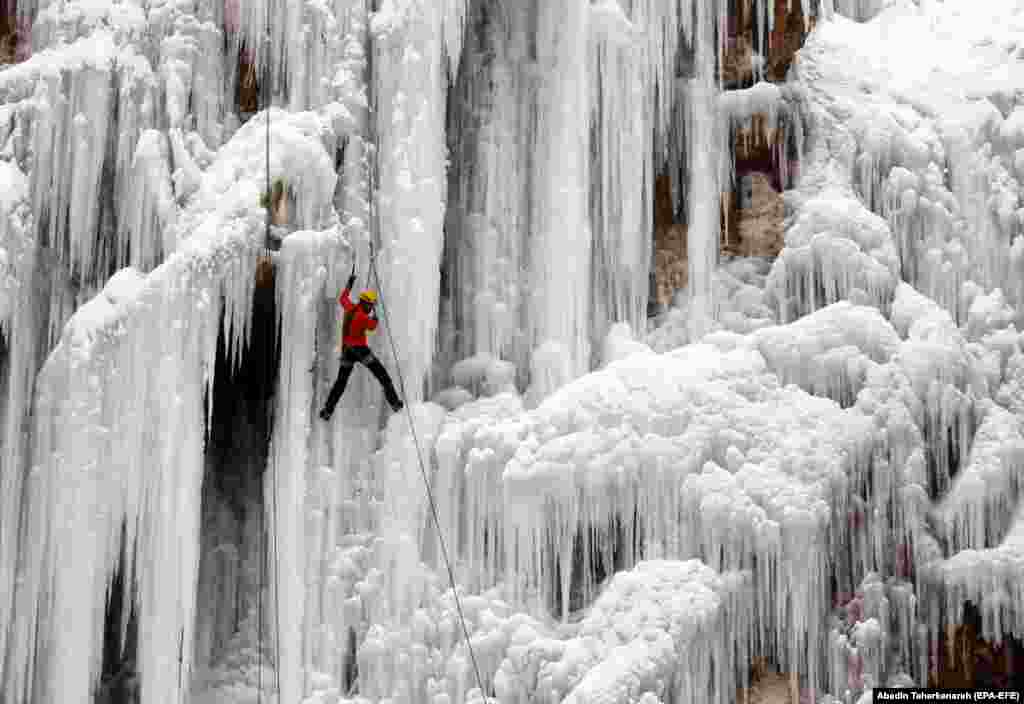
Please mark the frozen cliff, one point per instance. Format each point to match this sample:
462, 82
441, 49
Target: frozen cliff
816, 460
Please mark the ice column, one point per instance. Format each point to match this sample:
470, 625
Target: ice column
561, 233
622, 190
488, 215
410, 89
150, 208
307, 42
703, 153
301, 276
118, 441
68, 152
18, 311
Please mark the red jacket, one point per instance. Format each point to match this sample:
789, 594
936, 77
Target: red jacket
358, 322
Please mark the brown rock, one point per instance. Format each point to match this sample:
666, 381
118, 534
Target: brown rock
766, 686
785, 39
8, 32
963, 659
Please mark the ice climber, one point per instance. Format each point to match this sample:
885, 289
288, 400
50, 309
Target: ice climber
358, 319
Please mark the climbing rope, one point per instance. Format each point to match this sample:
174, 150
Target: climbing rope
259, 614
265, 90
412, 427
375, 227
274, 474
423, 474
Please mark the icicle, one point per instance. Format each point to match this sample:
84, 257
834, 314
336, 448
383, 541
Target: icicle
975, 512
151, 205
703, 151
560, 263
486, 242
18, 312
299, 283
618, 64
409, 95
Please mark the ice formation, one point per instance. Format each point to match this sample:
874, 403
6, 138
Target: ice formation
815, 459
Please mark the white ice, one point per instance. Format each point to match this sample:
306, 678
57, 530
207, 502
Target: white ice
803, 440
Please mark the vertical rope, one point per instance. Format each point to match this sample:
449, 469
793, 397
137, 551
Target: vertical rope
264, 89
372, 155
266, 106
274, 522
259, 612
426, 480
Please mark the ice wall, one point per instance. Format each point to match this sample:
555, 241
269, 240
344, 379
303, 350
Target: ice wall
118, 430
704, 151
937, 164
559, 265
409, 98
303, 268
575, 107
557, 136
939, 167
17, 369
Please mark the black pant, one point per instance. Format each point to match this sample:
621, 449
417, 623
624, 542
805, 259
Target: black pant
349, 357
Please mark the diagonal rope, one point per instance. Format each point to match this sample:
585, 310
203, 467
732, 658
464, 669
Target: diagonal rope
423, 473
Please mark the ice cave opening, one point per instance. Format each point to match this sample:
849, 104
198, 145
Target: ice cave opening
118, 681
234, 569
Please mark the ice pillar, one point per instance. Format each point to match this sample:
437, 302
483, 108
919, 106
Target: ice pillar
703, 153
410, 90
560, 251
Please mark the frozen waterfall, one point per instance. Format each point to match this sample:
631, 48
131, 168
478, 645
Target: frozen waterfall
813, 460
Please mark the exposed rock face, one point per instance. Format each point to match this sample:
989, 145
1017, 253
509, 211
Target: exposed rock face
754, 228
784, 40
755, 223
669, 245
248, 97
8, 32
752, 211
965, 660
767, 686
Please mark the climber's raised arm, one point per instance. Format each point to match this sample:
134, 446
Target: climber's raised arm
345, 299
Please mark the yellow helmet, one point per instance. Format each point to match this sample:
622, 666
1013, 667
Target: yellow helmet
368, 297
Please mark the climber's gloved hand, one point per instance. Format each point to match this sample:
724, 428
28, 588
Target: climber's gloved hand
351, 282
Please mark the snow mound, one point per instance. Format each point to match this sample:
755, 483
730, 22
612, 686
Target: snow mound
484, 374
699, 451
927, 140
620, 343
977, 510
992, 578
647, 622
99, 315
835, 249
739, 293
227, 201
827, 352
